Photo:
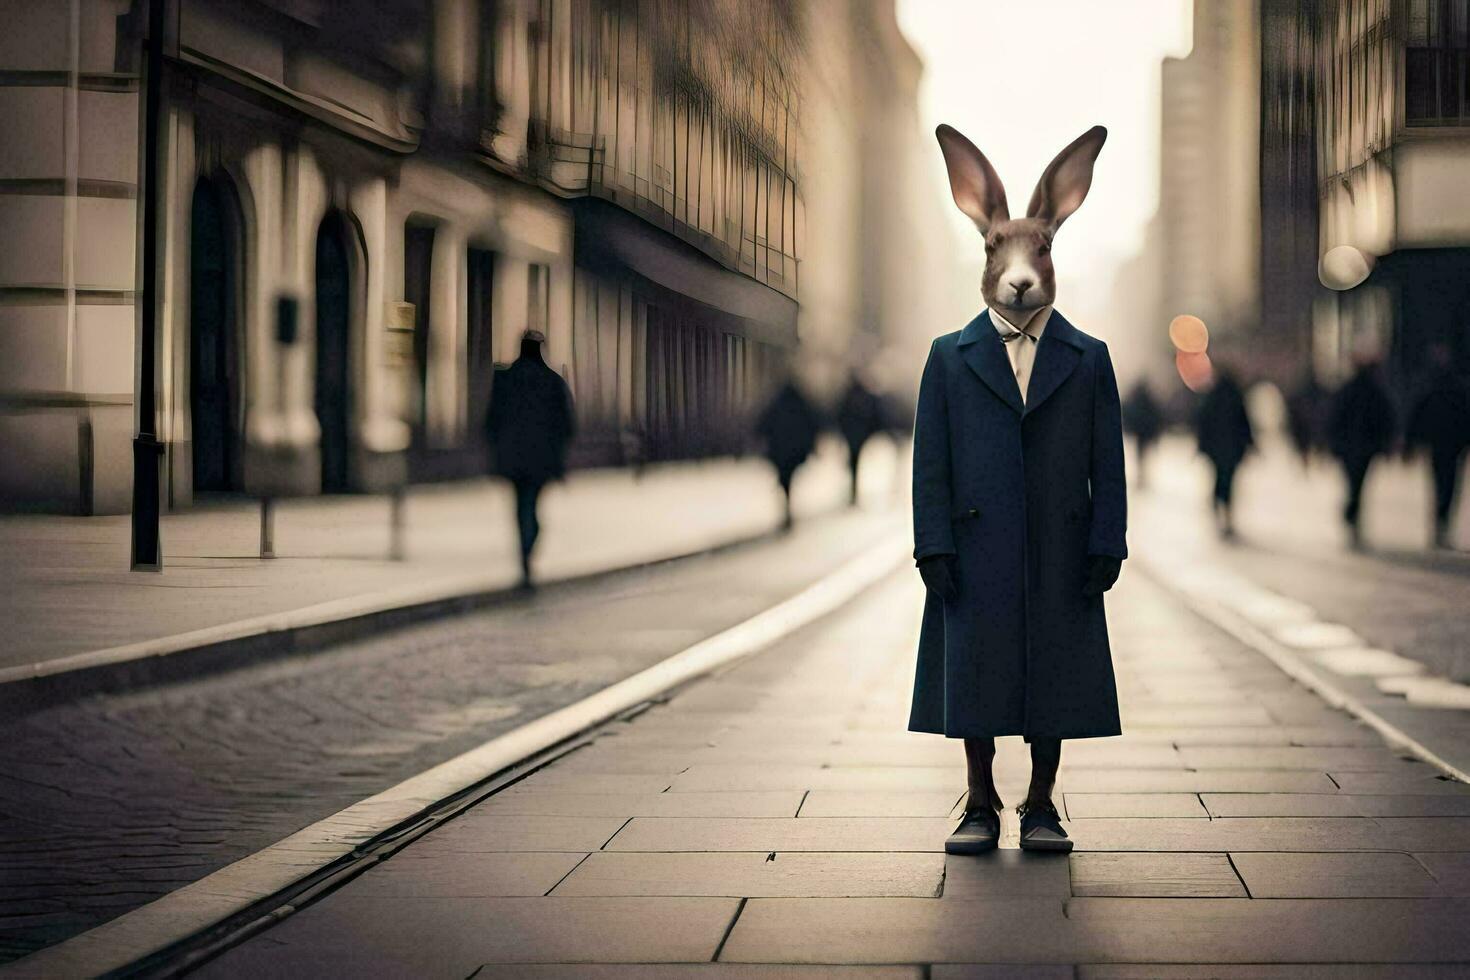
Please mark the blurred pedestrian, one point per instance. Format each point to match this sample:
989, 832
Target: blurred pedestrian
1223, 428
859, 418
1360, 426
1440, 423
529, 424
789, 426
1305, 407
1143, 418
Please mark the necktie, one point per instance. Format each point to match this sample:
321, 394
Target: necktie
1006, 338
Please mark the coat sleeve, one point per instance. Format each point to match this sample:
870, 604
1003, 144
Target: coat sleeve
933, 534
1109, 485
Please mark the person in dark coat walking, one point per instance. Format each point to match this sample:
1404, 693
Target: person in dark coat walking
1440, 423
859, 418
789, 425
529, 424
1304, 411
1223, 429
1360, 426
1144, 419
1019, 504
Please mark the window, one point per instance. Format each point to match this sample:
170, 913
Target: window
1436, 46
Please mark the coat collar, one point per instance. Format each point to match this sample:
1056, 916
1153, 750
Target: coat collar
1057, 354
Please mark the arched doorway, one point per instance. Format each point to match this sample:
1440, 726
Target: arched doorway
214, 389
333, 349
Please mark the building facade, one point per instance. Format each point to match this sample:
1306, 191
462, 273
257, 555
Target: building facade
366, 204
1379, 94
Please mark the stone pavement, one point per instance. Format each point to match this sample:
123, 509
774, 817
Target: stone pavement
778, 814
68, 589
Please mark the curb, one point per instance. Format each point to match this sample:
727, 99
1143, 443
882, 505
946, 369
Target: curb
172, 934
1292, 665
216, 649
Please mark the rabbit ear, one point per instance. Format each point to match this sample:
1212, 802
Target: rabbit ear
972, 180
1063, 187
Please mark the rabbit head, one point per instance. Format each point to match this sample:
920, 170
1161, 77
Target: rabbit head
1019, 278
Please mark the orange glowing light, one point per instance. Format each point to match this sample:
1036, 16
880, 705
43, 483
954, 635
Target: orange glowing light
1194, 369
1189, 334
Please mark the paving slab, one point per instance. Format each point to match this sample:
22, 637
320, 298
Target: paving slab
1323, 758
1260, 971
742, 874
847, 803
1235, 834
1369, 875
1168, 716
753, 777
1192, 781
1450, 868
477, 831
779, 803
1417, 781
1003, 971
1007, 872
1096, 930
415, 874
1150, 875
694, 971
1084, 806
346, 935
1336, 805
1427, 833
801, 834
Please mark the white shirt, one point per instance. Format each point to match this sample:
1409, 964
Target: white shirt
1021, 351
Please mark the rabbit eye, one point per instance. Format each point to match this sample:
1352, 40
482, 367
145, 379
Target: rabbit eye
1044, 248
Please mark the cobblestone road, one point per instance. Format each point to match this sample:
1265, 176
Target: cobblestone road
107, 804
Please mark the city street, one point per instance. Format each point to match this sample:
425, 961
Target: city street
777, 812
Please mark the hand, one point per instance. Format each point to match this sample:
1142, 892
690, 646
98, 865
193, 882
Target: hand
941, 575
1102, 572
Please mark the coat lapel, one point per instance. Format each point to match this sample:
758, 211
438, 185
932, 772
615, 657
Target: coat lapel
981, 348
1057, 354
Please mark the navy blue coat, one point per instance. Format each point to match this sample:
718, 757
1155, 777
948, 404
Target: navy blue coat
1021, 494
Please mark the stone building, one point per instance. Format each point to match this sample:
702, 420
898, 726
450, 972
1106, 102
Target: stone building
421, 182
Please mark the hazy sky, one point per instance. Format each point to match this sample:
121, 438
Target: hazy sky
1022, 79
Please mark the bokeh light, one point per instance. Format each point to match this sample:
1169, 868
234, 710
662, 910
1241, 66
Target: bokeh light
1189, 334
1194, 369
1344, 267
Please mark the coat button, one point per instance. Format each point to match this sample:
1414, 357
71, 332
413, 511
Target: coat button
973, 512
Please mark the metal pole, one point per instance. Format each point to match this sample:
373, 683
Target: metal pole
267, 528
147, 549
395, 524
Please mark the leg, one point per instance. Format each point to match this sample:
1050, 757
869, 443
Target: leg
1357, 472
1046, 759
786, 477
979, 831
1041, 825
980, 760
1446, 467
853, 454
526, 523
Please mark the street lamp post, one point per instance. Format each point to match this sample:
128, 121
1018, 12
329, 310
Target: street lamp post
147, 550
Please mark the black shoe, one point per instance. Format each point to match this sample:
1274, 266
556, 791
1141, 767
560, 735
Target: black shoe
977, 833
1041, 828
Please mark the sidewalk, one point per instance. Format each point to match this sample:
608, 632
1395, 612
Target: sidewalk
69, 591
778, 813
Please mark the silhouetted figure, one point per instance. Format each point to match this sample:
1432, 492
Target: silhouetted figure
1223, 428
529, 424
1440, 422
1143, 418
1360, 426
860, 416
1305, 408
789, 426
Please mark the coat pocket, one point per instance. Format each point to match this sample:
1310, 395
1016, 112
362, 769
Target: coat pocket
964, 514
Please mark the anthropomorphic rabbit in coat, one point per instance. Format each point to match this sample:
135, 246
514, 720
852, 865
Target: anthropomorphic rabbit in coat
1019, 506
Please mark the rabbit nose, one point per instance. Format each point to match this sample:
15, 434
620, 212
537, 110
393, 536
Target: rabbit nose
1020, 286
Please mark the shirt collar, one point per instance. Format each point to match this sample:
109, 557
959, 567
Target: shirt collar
1035, 325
